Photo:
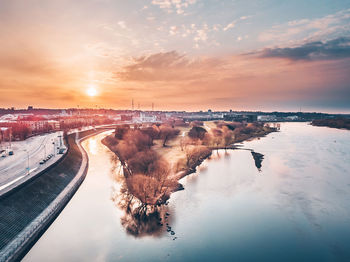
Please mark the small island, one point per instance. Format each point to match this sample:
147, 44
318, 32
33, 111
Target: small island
155, 157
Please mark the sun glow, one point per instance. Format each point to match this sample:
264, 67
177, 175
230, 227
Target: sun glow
91, 91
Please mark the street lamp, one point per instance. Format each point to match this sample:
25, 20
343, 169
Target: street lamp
45, 150
27, 160
60, 139
54, 145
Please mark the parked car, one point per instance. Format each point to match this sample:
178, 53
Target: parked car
61, 151
10, 153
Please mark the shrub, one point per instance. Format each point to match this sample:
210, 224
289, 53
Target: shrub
197, 132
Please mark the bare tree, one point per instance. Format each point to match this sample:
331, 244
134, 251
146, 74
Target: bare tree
143, 161
217, 136
228, 136
195, 154
120, 131
152, 132
167, 133
197, 132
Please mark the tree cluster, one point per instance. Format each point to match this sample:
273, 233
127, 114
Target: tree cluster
146, 173
19, 131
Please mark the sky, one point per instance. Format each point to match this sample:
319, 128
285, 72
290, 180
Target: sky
178, 54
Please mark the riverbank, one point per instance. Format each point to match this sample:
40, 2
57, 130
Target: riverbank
179, 157
27, 211
340, 123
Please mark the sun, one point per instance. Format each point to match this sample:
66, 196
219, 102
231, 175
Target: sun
91, 91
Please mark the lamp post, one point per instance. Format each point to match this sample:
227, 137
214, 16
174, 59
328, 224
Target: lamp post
27, 160
54, 144
10, 137
60, 139
45, 150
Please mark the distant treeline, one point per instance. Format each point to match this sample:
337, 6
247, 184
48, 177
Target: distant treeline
335, 123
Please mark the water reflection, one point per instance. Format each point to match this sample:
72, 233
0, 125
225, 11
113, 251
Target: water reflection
139, 220
92, 146
258, 158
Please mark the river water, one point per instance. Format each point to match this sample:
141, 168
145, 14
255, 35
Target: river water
295, 208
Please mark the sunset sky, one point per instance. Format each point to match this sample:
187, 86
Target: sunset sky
180, 54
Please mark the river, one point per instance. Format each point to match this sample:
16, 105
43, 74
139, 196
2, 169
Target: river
295, 208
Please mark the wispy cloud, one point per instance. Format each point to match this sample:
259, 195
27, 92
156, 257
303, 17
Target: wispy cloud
338, 48
173, 30
233, 23
178, 6
330, 26
122, 24
230, 25
166, 66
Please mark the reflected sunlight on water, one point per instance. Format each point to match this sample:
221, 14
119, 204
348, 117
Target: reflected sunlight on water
92, 146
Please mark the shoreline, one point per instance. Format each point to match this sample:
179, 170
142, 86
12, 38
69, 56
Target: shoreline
176, 176
339, 123
231, 147
16, 246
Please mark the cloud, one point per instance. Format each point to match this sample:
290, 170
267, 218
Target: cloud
201, 35
122, 24
327, 27
245, 17
233, 23
173, 30
168, 66
230, 25
242, 81
174, 5
338, 48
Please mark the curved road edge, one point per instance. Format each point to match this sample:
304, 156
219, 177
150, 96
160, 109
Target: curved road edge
19, 246
27, 178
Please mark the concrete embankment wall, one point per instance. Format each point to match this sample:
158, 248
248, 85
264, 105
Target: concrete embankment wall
27, 212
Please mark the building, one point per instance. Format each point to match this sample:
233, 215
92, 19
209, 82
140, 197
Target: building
251, 118
234, 117
267, 118
292, 118
35, 125
53, 124
147, 117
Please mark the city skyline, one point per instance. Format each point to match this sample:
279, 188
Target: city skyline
180, 55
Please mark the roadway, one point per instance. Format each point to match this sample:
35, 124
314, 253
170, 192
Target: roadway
28, 153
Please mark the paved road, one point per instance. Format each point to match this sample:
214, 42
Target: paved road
15, 166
